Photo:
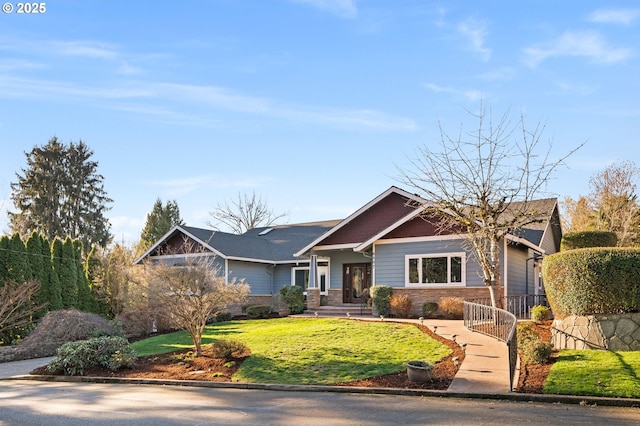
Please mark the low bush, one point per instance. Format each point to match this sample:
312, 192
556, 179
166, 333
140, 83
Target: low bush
111, 352
592, 281
400, 305
293, 298
381, 296
526, 331
535, 351
229, 349
258, 311
59, 327
223, 316
540, 313
429, 309
577, 240
453, 307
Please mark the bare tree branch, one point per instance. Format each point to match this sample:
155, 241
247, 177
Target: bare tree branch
482, 182
247, 212
16, 304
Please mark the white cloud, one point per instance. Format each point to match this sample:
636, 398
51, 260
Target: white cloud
476, 33
587, 44
470, 95
615, 16
181, 186
341, 8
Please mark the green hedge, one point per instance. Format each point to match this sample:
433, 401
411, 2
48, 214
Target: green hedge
381, 295
577, 240
258, 311
293, 297
593, 281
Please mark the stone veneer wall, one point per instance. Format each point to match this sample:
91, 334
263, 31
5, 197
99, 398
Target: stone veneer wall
615, 332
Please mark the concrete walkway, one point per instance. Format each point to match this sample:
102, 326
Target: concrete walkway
485, 369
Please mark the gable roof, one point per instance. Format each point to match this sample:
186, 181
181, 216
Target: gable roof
271, 245
396, 208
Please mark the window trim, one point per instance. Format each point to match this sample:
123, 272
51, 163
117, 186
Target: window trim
308, 268
448, 256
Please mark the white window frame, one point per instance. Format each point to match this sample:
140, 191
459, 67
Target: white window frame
324, 269
420, 284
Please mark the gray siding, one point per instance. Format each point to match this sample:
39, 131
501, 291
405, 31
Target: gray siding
257, 275
516, 271
390, 260
339, 258
282, 276
547, 243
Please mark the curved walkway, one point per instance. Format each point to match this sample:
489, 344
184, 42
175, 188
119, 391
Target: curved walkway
485, 369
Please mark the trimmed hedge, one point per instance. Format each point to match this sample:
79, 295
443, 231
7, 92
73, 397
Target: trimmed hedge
258, 311
381, 295
577, 240
592, 281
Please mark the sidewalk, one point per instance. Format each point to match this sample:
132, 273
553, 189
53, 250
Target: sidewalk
19, 368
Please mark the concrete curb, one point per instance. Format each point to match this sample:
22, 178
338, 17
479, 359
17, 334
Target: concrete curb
516, 397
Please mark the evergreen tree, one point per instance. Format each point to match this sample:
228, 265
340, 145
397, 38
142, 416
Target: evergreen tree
40, 270
68, 275
84, 292
4, 258
159, 222
61, 194
18, 266
55, 296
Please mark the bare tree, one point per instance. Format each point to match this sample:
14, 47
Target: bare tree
611, 206
247, 212
190, 294
481, 184
17, 304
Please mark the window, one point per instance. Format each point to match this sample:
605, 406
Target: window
440, 269
300, 277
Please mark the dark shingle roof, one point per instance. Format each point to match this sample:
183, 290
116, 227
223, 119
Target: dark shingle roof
272, 244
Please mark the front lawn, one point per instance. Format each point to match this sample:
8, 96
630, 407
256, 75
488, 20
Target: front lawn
594, 372
313, 350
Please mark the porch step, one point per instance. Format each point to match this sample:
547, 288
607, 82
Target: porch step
341, 311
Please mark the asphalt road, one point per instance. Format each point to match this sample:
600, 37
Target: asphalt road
53, 403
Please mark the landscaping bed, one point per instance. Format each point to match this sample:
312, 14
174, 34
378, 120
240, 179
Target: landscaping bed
181, 365
533, 376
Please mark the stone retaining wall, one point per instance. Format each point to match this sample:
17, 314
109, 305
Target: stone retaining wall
615, 332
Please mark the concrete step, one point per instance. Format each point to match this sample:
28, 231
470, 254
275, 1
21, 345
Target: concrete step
354, 310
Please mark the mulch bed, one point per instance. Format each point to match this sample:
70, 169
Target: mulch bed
533, 376
181, 365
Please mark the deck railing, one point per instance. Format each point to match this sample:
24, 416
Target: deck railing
497, 323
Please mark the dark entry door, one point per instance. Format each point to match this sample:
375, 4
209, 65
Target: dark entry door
356, 277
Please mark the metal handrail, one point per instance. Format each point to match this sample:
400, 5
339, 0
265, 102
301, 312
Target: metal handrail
496, 323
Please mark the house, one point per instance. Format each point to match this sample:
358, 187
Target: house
385, 242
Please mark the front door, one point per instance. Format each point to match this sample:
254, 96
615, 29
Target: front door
356, 277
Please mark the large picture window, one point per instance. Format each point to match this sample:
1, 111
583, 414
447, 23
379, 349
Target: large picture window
435, 269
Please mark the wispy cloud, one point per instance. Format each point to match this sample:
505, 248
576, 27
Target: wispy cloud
587, 44
615, 16
470, 95
341, 8
475, 32
80, 48
181, 186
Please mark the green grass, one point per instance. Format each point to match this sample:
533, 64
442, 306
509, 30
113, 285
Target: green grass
313, 350
595, 373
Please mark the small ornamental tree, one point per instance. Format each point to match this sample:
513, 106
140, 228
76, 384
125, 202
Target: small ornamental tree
190, 294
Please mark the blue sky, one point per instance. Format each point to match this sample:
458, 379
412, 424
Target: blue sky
310, 103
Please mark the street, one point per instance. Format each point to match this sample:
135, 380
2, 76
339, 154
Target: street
49, 403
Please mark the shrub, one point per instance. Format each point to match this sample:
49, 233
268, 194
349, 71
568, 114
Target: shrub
453, 307
592, 281
292, 296
258, 311
400, 305
577, 240
526, 331
223, 316
59, 327
540, 313
381, 295
229, 349
111, 352
136, 321
535, 351
429, 308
